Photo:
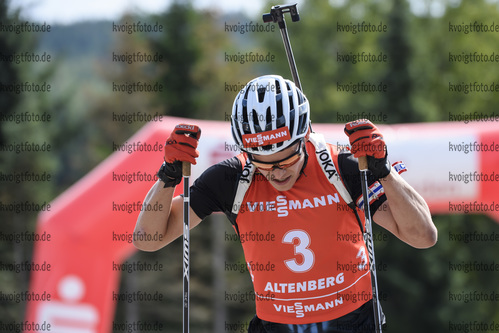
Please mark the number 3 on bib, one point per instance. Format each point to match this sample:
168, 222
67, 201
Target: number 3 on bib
301, 248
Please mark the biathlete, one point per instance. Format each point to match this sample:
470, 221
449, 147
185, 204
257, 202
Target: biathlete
289, 183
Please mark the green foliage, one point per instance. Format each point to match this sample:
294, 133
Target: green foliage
433, 70
181, 51
418, 69
9, 72
16, 221
423, 289
398, 49
323, 36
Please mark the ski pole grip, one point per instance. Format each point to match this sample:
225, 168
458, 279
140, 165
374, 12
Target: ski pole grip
186, 169
362, 163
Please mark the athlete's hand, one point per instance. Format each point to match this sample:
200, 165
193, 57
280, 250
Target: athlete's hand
367, 140
182, 143
179, 147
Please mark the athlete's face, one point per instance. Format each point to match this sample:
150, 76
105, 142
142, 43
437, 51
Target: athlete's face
282, 169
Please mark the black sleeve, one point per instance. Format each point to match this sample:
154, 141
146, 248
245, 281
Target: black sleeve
215, 189
349, 170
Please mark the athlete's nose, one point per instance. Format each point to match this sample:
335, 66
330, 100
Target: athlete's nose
278, 174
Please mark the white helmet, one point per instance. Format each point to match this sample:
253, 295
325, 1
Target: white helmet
269, 115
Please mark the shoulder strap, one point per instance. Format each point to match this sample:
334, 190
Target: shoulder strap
334, 177
243, 184
327, 165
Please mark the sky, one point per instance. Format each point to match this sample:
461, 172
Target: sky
65, 11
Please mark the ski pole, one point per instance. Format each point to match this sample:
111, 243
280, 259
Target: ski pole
276, 15
186, 173
369, 242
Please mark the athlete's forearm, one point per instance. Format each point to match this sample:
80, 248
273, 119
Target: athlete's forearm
154, 222
410, 212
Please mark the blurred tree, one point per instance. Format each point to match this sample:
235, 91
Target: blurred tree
327, 43
445, 54
397, 100
9, 72
193, 73
181, 50
26, 175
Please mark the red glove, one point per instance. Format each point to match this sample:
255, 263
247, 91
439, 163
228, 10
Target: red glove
182, 144
365, 139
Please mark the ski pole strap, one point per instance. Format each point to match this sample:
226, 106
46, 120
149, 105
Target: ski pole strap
376, 190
